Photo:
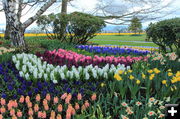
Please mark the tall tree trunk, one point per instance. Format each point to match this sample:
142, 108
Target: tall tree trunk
7, 33
63, 25
13, 16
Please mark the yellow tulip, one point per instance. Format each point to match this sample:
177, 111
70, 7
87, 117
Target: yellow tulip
130, 71
164, 82
143, 76
131, 77
150, 71
138, 82
170, 74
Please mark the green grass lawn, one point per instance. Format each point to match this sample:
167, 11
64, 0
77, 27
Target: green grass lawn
122, 37
116, 40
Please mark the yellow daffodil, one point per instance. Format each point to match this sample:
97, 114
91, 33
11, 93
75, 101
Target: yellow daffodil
156, 70
130, 71
120, 71
170, 74
151, 77
143, 76
178, 74
117, 77
138, 82
150, 71
125, 72
131, 77
164, 82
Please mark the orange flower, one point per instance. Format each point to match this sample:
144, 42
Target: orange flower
15, 104
93, 97
83, 107
45, 102
38, 97
19, 113
36, 108
64, 96
39, 114
21, 100
27, 99
3, 101
73, 112
79, 96
1, 117
86, 104
60, 108
46, 107
59, 116
2, 109
29, 104
48, 97
10, 105
44, 114
77, 106
68, 115
56, 100
14, 117
68, 98
30, 112
53, 114
12, 112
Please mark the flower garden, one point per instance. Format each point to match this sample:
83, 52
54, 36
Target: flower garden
65, 83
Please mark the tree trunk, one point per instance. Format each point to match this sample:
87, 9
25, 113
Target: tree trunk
63, 25
7, 33
17, 37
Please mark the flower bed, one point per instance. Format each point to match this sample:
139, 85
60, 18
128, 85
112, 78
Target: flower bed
5, 50
48, 107
112, 50
31, 67
70, 58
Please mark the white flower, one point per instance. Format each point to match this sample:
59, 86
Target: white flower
105, 75
55, 81
24, 69
21, 74
35, 73
40, 75
62, 75
45, 76
27, 76
87, 76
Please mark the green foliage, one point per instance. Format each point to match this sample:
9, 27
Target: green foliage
80, 27
135, 25
165, 33
83, 27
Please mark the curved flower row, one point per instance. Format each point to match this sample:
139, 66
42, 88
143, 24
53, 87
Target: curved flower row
31, 67
149, 48
51, 108
112, 50
61, 57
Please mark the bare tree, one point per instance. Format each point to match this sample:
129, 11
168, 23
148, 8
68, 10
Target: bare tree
122, 11
13, 12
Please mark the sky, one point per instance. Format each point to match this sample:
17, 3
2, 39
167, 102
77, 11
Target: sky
88, 6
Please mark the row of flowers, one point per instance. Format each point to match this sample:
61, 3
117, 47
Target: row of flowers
61, 107
148, 48
5, 50
112, 50
57, 107
61, 57
32, 68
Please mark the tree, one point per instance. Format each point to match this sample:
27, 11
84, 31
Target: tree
135, 25
120, 12
13, 12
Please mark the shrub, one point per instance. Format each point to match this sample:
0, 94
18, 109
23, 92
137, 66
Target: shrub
80, 27
165, 34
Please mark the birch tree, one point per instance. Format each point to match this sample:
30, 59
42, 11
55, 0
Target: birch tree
13, 11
